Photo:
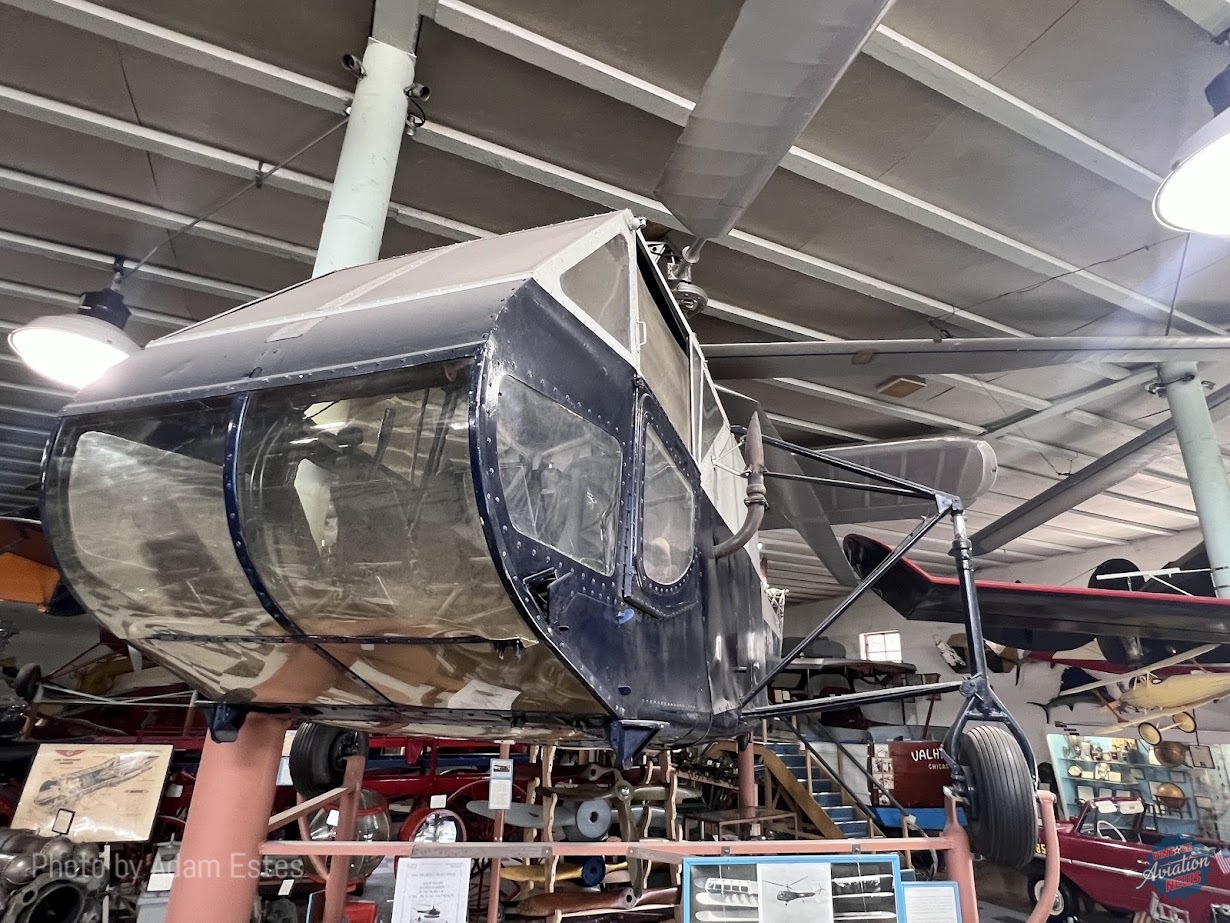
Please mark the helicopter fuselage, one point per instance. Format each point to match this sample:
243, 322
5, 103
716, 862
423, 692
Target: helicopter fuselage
467, 511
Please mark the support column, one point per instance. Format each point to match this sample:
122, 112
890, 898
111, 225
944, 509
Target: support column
363, 184
219, 861
1202, 458
747, 772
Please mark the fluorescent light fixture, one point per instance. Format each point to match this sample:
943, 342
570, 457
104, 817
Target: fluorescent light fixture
75, 350
1196, 195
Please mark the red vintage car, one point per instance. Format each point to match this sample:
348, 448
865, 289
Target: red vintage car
1110, 855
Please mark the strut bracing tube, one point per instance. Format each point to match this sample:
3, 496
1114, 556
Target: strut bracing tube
753, 454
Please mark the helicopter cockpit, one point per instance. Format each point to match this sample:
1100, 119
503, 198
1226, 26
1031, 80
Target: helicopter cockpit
473, 491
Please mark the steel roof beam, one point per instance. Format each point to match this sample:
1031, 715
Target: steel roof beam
539, 171
223, 62
962, 86
127, 209
1075, 401
25, 430
128, 30
528, 46
28, 411
152, 215
74, 118
95, 260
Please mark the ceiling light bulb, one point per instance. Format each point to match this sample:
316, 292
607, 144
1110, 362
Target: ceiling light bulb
1196, 195
72, 350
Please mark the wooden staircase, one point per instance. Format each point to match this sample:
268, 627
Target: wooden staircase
796, 780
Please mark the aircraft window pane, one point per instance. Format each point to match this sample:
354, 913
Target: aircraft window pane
599, 286
664, 364
666, 524
560, 475
358, 505
141, 526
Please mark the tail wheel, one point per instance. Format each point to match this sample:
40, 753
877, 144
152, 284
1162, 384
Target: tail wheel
318, 757
1003, 825
1066, 908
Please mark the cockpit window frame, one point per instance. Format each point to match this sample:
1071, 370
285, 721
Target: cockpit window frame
666, 598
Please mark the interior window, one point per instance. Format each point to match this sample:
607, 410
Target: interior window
599, 286
560, 475
667, 515
663, 363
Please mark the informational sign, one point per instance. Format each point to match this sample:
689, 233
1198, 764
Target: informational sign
94, 793
500, 785
931, 902
431, 891
793, 889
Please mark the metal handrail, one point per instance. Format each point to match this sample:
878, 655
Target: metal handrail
871, 780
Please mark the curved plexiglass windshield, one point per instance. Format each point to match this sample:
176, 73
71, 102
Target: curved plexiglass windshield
560, 475
358, 505
136, 512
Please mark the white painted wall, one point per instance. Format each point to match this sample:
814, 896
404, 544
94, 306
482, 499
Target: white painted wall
1038, 681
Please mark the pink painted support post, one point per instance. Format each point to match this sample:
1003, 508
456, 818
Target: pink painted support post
339, 867
747, 773
1050, 838
219, 861
493, 899
960, 860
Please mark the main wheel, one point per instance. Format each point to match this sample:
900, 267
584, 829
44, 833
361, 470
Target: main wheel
1003, 825
318, 757
1066, 908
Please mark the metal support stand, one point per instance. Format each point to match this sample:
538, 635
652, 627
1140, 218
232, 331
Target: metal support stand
1202, 458
363, 184
493, 899
219, 863
953, 840
339, 870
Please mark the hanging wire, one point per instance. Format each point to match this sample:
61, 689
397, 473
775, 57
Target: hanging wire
256, 181
1178, 282
937, 323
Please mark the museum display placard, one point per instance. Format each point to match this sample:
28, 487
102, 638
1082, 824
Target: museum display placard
94, 793
431, 891
792, 889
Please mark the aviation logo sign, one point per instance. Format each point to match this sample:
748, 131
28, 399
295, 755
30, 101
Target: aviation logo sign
1178, 867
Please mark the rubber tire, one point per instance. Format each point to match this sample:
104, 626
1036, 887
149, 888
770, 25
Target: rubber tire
1003, 825
318, 757
1068, 898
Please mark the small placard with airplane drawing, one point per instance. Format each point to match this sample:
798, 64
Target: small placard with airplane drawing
793, 889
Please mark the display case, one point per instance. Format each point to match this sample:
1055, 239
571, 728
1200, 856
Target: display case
1187, 784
